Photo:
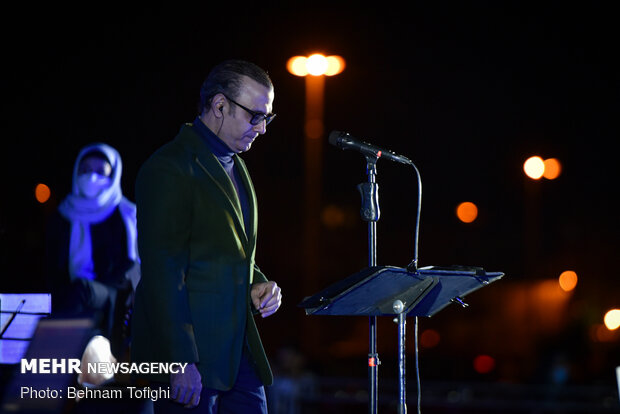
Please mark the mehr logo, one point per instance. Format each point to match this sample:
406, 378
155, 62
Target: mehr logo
51, 366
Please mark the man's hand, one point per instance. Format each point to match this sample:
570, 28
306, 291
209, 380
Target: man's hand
266, 297
186, 386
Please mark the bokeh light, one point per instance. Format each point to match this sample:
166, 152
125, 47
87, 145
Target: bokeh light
553, 168
600, 333
467, 212
316, 65
333, 216
429, 338
483, 364
297, 65
568, 280
335, 65
612, 319
534, 167
42, 193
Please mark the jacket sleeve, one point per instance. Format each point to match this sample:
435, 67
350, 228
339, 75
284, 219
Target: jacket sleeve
164, 216
259, 276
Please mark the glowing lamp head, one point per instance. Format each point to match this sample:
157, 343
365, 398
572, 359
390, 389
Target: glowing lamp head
534, 167
335, 65
315, 65
297, 65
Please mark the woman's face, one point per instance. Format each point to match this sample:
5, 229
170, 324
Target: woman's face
93, 176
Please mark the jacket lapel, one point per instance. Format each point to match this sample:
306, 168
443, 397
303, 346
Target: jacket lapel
246, 181
214, 174
217, 175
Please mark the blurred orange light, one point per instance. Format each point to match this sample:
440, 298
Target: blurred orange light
333, 216
612, 319
600, 333
534, 167
568, 280
429, 338
316, 65
467, 212
335, 65
483, 364
553, 168
42, 193
297, 66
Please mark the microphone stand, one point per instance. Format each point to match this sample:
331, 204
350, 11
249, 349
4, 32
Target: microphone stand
370, 213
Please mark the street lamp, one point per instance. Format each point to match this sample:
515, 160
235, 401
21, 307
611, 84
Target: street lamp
536, 168
314, 69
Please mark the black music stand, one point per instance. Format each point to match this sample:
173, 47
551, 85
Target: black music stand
393, 291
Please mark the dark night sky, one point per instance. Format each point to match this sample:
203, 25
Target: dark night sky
467, 90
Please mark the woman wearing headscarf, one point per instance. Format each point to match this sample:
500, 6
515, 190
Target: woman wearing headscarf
92, 258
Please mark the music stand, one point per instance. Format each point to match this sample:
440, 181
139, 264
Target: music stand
393, 291
20, 313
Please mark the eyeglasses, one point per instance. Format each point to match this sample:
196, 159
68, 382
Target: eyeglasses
257, 117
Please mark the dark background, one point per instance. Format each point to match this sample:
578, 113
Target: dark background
467, 90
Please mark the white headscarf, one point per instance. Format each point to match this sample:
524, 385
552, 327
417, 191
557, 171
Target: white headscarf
82, 212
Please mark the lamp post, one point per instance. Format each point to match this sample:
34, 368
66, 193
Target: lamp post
314, 69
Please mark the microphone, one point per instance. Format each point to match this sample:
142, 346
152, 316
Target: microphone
345, 141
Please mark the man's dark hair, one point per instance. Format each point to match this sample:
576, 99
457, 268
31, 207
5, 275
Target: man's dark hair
226, 78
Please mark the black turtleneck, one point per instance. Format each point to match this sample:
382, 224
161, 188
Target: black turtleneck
225, 156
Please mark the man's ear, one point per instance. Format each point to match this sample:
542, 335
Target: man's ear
218, 103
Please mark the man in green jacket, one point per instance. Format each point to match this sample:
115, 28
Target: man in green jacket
197, 223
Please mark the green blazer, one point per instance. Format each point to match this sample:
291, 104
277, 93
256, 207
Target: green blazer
193, 301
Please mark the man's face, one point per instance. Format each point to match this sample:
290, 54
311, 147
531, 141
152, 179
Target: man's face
237, 132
